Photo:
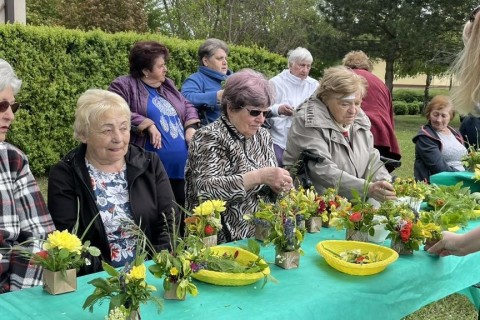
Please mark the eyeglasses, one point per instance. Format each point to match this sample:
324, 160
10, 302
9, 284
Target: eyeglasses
473, 14
256, 113
5, 104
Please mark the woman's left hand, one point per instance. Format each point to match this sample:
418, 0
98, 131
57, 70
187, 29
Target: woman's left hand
189, 134
381, 191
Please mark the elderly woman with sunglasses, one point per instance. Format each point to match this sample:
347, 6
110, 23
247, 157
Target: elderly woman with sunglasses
233, 159
333, 128
24, 215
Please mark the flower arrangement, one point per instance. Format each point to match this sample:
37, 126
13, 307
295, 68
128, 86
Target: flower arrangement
359, 218
126, 289
471, 159
205, 220
63, 251
408, 187
453, 199
331, 203
175, 267
406, 232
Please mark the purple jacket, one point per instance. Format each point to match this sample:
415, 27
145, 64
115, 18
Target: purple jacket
136, 95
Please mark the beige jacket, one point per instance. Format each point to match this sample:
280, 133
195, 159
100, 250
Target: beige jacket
313, 129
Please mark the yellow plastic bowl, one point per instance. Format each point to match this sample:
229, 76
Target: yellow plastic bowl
231, 279
338, 246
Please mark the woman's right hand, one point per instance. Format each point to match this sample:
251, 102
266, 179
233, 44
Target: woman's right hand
278, 179
381, 191
155, 136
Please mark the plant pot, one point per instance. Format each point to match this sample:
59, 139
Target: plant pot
262, 230
57, 282
412, 202
134, 315
287, 260
356, 235
171, 291
210, 241
429, 243
380, 232
399, 246
314, 224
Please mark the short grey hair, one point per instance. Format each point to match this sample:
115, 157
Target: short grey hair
8, 77
298, 55
209, 47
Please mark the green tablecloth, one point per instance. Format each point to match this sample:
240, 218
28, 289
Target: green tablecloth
452, 178
313, 291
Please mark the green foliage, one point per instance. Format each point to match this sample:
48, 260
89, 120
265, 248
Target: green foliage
400, 107
56, 65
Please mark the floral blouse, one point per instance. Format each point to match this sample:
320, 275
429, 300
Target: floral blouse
111, 192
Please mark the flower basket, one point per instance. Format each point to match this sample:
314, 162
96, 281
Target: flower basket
58, 282
330, 250
231, 279
356, 235
262, 229
314, 224
287, 260
210, 241
400, 247
170, 292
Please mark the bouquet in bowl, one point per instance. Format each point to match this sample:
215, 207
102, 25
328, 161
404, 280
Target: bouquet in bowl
411, 192
331, 202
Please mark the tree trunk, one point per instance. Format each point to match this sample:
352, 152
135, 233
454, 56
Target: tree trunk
389, 74
428, 82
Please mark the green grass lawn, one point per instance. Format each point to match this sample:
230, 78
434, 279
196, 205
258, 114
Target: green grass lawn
453, 307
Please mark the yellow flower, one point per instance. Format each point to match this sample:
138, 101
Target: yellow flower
219, 205
174, 271
63, 240
204, 209
138, 272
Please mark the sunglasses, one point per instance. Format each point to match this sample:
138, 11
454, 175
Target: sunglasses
256, 113
473, 14
5, 104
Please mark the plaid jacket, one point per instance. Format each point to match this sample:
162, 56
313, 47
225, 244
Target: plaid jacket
24, 216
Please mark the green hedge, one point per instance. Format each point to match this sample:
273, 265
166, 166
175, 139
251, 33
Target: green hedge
56, 65
410, 101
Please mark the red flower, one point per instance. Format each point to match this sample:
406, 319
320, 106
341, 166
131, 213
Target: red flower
355, 217
43, 254
333, 203
406, 231
209, 230
322, 206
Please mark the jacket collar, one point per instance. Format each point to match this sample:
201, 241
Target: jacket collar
214, 74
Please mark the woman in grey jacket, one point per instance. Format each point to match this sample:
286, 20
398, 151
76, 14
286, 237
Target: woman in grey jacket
332, 127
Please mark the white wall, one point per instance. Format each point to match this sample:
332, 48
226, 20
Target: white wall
20, 11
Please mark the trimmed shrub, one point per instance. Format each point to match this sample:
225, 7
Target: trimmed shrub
56, 65
400, 107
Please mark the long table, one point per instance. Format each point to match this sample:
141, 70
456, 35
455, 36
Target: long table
313, 291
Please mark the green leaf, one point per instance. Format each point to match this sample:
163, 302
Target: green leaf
109, 269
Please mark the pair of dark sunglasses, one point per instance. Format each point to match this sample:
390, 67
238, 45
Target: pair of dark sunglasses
5, 104
256, 113
473, 14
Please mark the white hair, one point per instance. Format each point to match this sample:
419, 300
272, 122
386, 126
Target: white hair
8, 77
299, 55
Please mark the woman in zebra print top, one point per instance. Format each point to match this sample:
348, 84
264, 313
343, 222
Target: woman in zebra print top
232, 159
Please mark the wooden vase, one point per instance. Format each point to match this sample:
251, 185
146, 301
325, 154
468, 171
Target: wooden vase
287, 260
58, 282
262, 230
210, 241
314, 224
399, 246
356, 235
171, 292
